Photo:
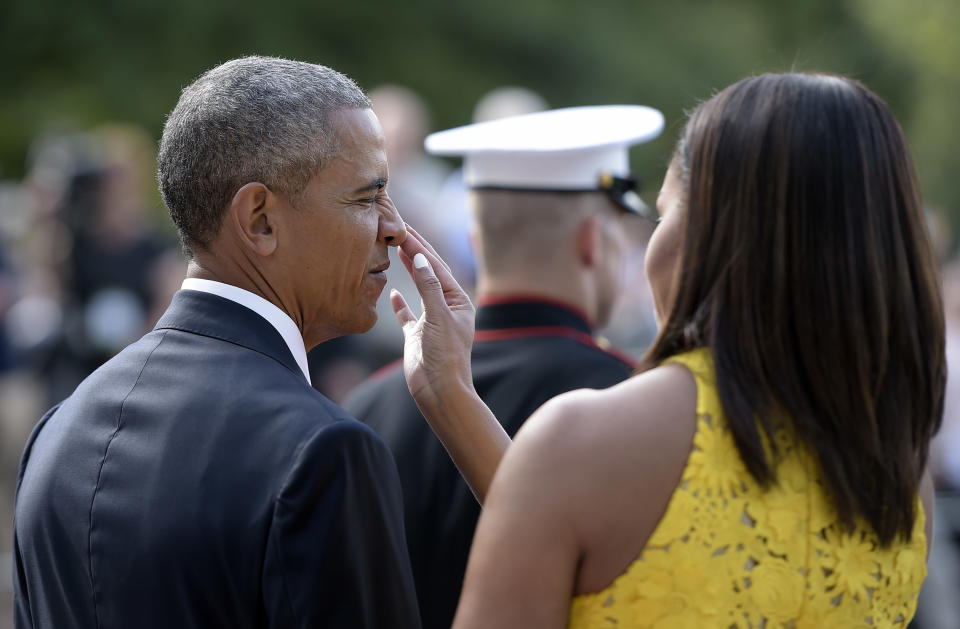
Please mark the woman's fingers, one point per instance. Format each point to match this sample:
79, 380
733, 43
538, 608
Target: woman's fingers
428, 284
413, 245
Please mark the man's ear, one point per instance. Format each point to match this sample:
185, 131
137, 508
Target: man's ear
253, 215
588, 241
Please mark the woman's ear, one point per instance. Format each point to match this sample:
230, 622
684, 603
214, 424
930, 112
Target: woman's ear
588, 241
253, 217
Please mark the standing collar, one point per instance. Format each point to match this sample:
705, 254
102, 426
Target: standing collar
276, 317
504, 317
501, 312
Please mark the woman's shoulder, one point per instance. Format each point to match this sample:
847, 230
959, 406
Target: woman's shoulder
650, 407
618, 454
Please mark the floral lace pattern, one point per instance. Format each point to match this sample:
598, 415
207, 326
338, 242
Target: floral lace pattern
729, 554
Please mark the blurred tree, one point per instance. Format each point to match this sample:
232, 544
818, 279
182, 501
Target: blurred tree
74, 65
927, 36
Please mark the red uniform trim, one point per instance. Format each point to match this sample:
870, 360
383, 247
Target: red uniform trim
386, 370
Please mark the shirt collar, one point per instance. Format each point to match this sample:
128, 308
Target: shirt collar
274, 315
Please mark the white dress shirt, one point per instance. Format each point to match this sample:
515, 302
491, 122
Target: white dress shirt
276, 317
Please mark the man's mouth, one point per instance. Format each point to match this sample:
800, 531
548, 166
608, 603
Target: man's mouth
380, 271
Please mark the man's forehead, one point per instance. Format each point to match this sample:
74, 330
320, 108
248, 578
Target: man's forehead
360, 156
361, 171
356, 125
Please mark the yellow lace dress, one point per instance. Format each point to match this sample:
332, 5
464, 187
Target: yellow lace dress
728, 554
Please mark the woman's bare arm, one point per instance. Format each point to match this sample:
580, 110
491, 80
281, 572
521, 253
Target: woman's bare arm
576, 496
523, 561
436, 364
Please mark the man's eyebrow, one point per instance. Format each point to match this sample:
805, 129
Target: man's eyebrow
376, 184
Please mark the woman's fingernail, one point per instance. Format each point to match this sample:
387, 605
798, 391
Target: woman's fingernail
420, 261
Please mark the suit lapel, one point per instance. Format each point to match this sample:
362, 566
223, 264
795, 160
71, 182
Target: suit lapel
216, 317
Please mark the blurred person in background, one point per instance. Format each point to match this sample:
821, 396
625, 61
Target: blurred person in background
117, 248
40, 247
769, 464
945, 450
939, 605
197, 479
455, 213
100, 248
106, 278
553, 214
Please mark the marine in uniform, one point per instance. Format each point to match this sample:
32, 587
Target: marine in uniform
550, 193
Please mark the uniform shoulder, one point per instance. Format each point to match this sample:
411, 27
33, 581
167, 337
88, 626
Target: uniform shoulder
591, 366
579, 362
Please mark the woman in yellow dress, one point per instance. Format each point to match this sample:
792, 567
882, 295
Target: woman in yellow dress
767, 466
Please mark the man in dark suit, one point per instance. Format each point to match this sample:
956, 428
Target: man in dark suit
553, 209
196, 479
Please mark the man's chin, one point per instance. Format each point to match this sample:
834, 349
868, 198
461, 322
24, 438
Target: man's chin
365, 328
353, 325
363, 324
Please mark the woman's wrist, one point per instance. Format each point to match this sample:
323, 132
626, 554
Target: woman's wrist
471, 434
446, 392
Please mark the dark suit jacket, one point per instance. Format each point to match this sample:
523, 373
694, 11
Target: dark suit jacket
197, 480
526, 351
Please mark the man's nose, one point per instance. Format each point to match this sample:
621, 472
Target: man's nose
393, 230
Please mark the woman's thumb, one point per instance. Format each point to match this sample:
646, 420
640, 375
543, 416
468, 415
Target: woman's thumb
400, 308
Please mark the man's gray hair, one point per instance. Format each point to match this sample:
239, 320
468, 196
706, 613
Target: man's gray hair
252, 119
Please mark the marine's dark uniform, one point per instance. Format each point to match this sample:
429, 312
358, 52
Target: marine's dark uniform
527, 351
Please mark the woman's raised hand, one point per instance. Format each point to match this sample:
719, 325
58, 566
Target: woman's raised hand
436, 352
436, 364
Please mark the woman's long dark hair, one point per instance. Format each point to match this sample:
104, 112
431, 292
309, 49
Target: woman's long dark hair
807, 269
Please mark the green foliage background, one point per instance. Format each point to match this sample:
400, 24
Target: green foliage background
70, 65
